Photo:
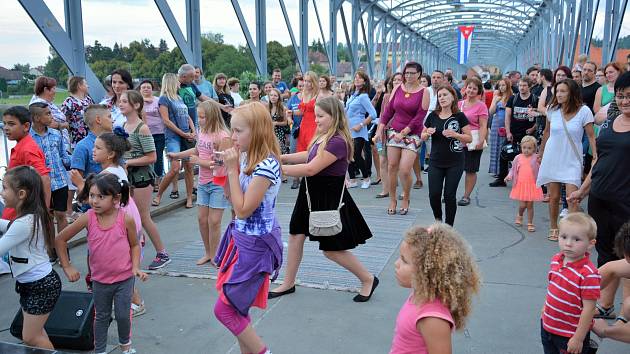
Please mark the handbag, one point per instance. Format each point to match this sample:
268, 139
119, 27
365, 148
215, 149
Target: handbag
573, 147
475, 140
324, 222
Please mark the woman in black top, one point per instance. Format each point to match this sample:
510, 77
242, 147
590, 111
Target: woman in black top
449, 132
608, 184
224, 96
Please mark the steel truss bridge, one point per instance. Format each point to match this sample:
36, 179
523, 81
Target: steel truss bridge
509, 34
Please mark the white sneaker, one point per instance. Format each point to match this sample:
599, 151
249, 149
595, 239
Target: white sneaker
366, 183
563, 213
352, 184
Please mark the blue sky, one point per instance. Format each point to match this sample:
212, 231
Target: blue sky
110, 21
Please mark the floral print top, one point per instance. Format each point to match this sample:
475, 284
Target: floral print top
73, 108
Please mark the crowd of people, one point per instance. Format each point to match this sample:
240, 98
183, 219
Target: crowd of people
558, 136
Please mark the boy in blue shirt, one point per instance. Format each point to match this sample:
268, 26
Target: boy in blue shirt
57, 159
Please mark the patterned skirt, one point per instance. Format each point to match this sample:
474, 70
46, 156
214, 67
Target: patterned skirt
495, 143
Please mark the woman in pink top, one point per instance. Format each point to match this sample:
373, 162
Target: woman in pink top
402, 120
114, 257
441, 299
477, 113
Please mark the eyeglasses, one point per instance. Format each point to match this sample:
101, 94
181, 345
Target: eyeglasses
410, 73
622, 97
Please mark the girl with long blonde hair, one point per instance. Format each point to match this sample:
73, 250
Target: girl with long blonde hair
324, 168
211, 199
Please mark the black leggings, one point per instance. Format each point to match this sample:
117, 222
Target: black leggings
358, 165
446, 179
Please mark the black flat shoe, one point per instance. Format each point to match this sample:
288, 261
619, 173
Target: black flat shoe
376, 182
363, 298
273, 294
380, 195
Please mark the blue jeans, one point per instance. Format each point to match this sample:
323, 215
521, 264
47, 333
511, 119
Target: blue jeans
555, 344
160, 143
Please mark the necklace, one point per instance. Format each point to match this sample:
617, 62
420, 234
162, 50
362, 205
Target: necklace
407, 94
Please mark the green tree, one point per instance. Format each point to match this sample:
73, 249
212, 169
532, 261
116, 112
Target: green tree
277, 56
232, 61
318, 69
163, 47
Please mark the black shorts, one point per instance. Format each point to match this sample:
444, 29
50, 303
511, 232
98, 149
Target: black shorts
472, 160
144, 184
40, 296
59, 199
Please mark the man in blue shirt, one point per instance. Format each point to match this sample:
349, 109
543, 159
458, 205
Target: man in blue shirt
276, 78
204, 86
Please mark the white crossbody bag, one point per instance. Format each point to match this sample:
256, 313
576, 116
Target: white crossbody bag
324, 222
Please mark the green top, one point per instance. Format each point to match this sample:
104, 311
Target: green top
607, 96
140, 144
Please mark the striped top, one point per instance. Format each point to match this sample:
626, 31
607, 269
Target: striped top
569, 285
140, 144
262, 220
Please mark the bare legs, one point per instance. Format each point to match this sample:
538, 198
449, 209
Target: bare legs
384, 174
469, 183
142, 197
294, 255
553, 190
345, 259
33, 332
210, 227
171, 177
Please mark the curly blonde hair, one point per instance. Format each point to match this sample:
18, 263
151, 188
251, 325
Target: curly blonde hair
444, 269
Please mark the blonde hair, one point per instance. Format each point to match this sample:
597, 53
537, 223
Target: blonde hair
214, 119
314, 79
279, 105
170, 84
263, 140
529, 139
444, 269
334, 108
581, 219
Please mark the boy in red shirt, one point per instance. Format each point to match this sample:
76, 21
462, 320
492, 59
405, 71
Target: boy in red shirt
573, 288
17, 124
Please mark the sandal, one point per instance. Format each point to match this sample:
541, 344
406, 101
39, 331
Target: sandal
156, 201
382, 195
464, 201
602, 312
391, 211
418, 184
189, 204
531, 228
553, 235
404, 211
519, 220
174, 195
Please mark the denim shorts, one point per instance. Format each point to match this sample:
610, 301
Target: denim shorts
211, 195
173, 144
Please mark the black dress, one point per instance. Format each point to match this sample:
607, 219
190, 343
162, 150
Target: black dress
325, 192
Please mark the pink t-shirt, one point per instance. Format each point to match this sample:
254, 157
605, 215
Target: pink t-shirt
474, 112
407, 339
110, 253
206, 144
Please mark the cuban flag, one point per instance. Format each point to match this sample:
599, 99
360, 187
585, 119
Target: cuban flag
464, 40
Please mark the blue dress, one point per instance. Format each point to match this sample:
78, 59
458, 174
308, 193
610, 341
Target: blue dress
496, 141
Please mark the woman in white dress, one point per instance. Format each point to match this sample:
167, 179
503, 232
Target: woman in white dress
561, 149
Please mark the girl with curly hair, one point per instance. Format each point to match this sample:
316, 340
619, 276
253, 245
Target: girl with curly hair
437, 264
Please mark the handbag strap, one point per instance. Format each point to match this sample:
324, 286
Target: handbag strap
308, 196
566, 131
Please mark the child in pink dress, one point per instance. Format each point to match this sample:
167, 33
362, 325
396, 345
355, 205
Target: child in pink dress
524, 189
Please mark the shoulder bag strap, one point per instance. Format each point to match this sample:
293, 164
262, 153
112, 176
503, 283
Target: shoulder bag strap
308, 196
566, 131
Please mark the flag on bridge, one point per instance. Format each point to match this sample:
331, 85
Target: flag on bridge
464, 40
